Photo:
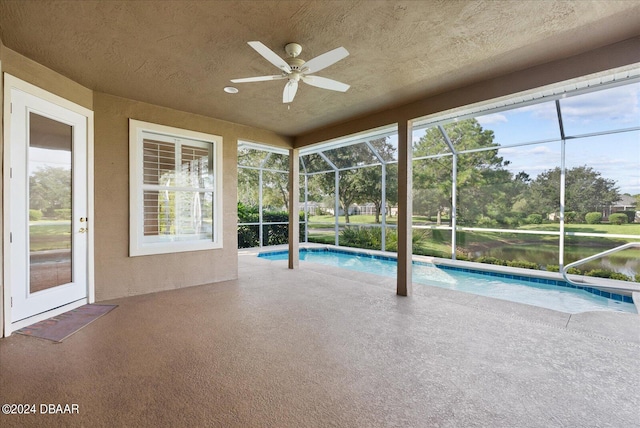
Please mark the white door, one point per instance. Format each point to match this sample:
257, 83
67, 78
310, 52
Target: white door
48, 206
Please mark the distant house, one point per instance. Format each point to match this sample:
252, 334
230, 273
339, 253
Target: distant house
626, 203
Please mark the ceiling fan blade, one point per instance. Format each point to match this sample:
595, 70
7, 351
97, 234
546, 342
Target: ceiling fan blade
270, 56
290, 90
258, 79
324, 83
326, 59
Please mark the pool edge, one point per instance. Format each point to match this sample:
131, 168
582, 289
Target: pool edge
623, 292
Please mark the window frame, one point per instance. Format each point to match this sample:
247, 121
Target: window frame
137, 246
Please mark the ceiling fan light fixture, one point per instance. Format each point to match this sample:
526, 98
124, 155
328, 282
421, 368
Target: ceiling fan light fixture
231, 90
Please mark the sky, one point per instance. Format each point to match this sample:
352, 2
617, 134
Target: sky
615, 156
39, 158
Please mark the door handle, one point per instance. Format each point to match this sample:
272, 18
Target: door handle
82, 230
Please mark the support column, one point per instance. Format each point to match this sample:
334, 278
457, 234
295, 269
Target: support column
383, 209
336, 208
405, 209
260, 226
294, 208
563, 183
454, 205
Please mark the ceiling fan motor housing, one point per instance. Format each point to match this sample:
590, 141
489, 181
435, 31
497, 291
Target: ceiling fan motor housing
293, 49
295, 63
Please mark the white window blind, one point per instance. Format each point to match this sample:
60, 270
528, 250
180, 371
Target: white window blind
176, 195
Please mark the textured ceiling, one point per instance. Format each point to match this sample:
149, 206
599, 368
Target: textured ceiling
181, 54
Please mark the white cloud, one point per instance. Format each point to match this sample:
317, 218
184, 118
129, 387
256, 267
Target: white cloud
616, 104
492, 118
541, 150
545, 110
620, 104
532, 159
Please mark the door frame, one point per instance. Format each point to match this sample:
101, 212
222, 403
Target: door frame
11, 82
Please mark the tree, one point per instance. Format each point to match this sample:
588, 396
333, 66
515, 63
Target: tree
50, 189
369, 179
356, 185
475, 171
585, 191
275, 191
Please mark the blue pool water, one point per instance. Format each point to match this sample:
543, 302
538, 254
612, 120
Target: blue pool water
551, 294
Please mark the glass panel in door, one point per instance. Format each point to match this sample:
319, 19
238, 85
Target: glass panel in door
50, 203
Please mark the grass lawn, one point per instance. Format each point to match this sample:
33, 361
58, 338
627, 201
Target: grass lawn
49, 235
622, 229
361, 219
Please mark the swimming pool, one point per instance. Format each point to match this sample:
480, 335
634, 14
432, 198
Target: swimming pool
546, 293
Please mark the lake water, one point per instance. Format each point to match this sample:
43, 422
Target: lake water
544, 255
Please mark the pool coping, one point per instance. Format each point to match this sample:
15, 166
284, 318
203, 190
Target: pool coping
608, 288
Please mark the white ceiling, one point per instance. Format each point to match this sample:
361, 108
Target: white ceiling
181, 54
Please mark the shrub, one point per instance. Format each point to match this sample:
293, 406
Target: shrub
522, 264
462, 257
593, 217
534, 219
275, 234
556, 268
512, 222
631, 215
602, 273
618, 218
484, 221
491, 261
637, 278
247, 214
248, 236
571, 217
35, 215
272, 234
552, 268
362, 237
391, 241
62, 214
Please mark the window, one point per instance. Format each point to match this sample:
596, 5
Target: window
175, 189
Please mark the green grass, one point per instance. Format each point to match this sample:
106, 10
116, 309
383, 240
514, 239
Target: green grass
360, 219
622, 229
49, 235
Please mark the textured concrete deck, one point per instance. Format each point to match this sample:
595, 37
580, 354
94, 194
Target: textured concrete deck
321, 346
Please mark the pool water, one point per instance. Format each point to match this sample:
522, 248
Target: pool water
550, 296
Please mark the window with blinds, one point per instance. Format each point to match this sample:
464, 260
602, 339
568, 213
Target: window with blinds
177, 198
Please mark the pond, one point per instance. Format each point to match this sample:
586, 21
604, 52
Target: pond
626, 262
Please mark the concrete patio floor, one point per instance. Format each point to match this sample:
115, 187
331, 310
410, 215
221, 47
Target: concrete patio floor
322, 346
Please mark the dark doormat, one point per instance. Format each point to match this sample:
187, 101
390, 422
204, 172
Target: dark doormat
64, 325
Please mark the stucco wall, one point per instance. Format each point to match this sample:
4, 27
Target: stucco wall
116, 273
45, 78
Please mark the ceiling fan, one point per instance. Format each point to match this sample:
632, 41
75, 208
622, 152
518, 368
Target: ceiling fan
295, 69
